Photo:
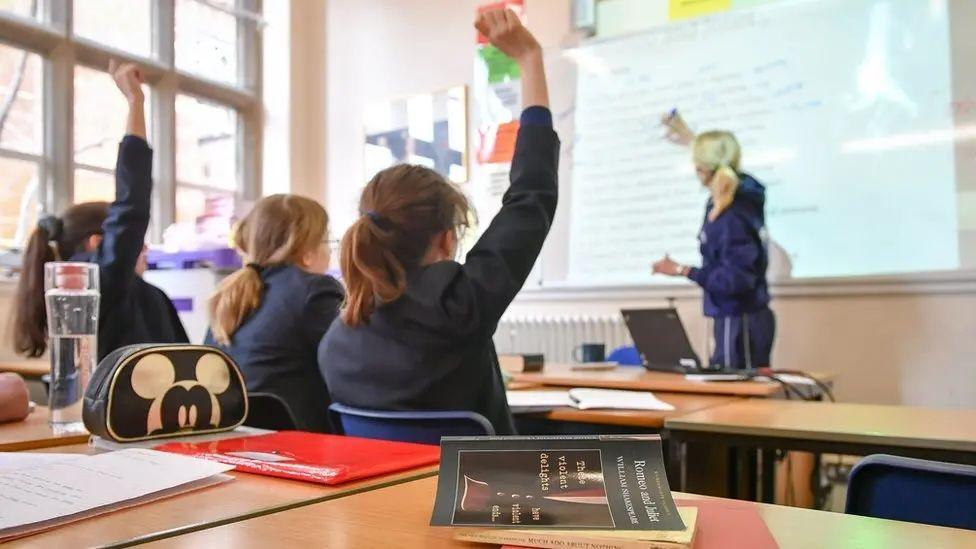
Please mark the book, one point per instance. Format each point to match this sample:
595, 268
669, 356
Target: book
585, 399
519, 364
605, 482
589, 539
40, 497
311, 457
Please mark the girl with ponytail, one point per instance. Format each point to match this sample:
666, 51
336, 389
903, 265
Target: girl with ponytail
112, 235
733, 248
271, 314
416, 328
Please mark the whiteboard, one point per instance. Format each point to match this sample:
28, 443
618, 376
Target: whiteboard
857, 115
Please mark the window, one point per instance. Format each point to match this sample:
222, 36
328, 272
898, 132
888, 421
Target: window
100, 112
21, 140
202, 106
123, 24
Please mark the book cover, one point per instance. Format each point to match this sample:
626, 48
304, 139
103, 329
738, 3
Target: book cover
311, 457
589, 539
586, 482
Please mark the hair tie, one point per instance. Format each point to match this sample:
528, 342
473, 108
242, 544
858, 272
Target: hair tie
378, 220
373, 216
52, 225
254, 267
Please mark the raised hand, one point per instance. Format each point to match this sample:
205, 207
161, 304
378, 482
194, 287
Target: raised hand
128, 78
676, 129
504, 30
666, 266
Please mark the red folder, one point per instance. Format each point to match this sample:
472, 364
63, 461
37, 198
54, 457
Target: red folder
311, 457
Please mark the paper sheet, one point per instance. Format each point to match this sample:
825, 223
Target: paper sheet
10, 461
611, 399
61, 490
539, 399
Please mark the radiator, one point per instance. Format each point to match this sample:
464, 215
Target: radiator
557, 336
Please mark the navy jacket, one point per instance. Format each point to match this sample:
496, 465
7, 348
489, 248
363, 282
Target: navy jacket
734, 254
432, 348
131, 310
276, 346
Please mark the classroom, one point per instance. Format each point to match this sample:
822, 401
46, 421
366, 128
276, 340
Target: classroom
481, 273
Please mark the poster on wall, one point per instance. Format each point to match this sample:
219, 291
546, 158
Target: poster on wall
428, 129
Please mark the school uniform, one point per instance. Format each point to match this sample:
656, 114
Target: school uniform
276, 345
733, 277
432, 348
131, 310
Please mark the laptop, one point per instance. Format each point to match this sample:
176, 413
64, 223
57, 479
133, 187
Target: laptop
663, 344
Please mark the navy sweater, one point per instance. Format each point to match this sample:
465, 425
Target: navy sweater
276, 346
734, 254
131, 310
432, 348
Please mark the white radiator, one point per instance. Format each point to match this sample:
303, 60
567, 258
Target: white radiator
557, 336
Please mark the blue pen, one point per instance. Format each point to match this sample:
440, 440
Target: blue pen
672, 114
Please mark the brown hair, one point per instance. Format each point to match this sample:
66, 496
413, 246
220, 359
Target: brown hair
280, 229
401, 209
54, 239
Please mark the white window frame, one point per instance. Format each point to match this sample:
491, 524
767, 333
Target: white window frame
52, 37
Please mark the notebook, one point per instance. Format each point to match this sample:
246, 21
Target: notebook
311, 457
585, 399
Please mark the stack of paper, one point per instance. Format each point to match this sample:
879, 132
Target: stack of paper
585, 399
50, 494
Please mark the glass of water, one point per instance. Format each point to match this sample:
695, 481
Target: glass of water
71, 293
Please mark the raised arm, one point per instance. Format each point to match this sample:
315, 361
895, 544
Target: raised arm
124, 230
677, 130
497, 266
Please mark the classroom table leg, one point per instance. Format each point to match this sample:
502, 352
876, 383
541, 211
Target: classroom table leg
752, 473
677, 475
733, 475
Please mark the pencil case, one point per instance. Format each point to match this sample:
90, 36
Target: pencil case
150, 391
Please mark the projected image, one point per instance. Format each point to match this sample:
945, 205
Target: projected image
427, 129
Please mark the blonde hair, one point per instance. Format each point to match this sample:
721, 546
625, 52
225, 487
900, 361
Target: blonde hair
719, 151
279, 230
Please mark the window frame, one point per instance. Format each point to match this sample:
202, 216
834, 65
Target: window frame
51, 36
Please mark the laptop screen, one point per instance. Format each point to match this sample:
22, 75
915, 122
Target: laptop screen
661, 339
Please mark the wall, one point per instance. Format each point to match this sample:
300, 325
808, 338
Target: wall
915, 349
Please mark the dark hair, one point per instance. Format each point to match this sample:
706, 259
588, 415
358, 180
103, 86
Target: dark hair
401, 209
54, 239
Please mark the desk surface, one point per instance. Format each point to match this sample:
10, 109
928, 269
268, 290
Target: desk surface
841, 422
244, 497
27, 368
34, 432
398, 516
684, 403
638, 379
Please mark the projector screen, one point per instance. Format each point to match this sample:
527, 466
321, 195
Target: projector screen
857, 115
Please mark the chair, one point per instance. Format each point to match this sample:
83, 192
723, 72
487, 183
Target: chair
913, 490
420, 427
626, 356
268, 411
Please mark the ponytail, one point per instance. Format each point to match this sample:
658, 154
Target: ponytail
402, 209
30, 323
236, 298
279, 230
370, 270
722, 187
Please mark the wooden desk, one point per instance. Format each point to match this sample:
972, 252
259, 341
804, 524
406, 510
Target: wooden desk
244, 497
34, 432
398, 516
638, 379
684, 403
821, 427
32, 369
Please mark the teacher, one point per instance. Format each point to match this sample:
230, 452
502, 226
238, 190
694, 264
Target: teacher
733, 249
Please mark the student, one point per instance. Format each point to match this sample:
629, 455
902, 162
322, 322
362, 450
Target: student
14, 397
733, 248
112, 235
271, 314
416, 329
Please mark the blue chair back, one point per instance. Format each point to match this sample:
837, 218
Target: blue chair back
420, 427
913, 490
626, 356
